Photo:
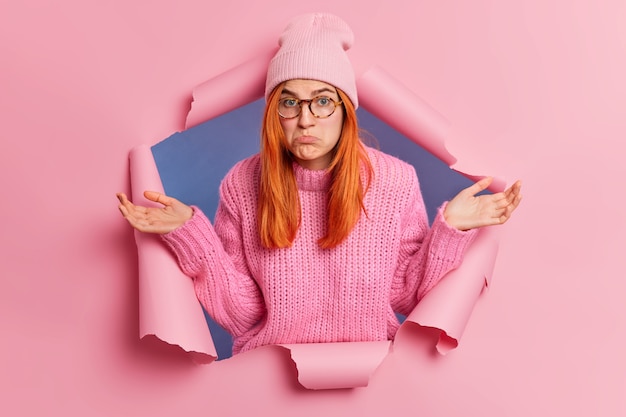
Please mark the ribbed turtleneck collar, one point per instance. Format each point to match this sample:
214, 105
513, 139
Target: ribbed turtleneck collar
311, 180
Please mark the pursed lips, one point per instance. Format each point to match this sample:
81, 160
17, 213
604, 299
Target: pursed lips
306, 139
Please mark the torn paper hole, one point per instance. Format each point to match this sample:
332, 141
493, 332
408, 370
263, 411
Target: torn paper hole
168, 307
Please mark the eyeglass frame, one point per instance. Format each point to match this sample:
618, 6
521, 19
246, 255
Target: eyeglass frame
308, 102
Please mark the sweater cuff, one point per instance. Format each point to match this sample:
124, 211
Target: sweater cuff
449, 242
191, 241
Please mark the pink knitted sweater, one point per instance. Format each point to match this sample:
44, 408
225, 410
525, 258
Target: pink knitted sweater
305, 294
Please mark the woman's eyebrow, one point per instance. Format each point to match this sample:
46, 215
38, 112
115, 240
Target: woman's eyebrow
315, 93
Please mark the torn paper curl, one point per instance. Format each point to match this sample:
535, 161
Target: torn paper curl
169, 309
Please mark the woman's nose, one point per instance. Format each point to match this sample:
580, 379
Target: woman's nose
305, 118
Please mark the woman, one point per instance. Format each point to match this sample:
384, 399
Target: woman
317, 238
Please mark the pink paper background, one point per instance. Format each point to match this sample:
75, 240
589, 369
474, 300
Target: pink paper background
535, 90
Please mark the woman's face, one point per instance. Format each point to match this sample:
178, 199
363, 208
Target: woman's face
310, 139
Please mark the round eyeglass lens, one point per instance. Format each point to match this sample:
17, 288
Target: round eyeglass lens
320, 107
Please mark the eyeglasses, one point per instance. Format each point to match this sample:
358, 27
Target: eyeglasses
320, 107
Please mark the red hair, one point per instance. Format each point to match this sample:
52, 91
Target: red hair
279, 201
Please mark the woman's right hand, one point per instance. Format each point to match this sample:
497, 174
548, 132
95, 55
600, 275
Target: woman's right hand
159, 220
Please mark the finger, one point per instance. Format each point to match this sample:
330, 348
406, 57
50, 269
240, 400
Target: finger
508, 203
479, 186
514, 190
507, 213
497, 213
130, 206
122, 198
131, 217
125, 203
123, 210
514, 197
152, 195
518, 199
130, 213
158, 197
509, 209
132, 209
504, 213
502, 200
509, 195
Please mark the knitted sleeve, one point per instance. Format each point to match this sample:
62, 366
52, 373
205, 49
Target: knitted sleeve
216, 263
426, 253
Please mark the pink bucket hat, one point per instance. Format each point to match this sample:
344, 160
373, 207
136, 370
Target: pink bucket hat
313, 47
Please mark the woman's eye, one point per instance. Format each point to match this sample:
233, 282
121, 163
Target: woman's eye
323, 101
290, 102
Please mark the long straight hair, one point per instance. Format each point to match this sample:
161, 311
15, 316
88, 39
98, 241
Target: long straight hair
279, 202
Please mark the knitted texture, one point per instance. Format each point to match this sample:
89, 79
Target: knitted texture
313, 46
305, 294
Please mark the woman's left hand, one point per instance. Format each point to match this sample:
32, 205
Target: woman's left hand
469, 211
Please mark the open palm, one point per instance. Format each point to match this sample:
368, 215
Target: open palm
469, 211
165, 219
